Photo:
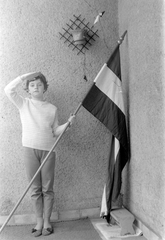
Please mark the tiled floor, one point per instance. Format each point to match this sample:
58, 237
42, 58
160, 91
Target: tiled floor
68, 230
83, 229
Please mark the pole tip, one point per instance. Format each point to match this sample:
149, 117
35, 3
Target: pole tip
122, 38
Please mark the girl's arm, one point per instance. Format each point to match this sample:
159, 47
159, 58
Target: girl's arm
30, 76
12, 94
60, 128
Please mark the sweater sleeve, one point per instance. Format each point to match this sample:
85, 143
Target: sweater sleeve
12, 94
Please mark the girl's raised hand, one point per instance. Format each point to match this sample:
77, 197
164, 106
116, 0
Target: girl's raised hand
30, 76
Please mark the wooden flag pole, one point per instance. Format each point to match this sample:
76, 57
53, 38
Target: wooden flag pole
51, 150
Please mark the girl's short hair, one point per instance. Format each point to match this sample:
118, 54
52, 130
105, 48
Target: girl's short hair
42, 79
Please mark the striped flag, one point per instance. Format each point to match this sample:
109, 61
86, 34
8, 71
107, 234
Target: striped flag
105, 102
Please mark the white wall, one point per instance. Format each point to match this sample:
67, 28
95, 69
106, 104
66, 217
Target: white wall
143, 69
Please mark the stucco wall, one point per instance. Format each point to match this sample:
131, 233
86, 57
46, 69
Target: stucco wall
30, 41
143, 73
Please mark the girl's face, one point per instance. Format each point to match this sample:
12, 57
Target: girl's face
36, 89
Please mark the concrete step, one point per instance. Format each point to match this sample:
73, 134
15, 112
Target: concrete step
125, 219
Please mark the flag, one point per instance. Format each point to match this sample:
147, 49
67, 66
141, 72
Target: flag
105, 102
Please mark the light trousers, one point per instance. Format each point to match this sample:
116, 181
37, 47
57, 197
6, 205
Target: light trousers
42, 193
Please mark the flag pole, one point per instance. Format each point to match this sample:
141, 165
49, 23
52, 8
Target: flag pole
51, 150
122, 38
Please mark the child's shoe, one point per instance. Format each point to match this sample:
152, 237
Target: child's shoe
36, 233
47, 231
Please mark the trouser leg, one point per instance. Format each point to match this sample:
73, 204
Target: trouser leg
47, 176
32, 163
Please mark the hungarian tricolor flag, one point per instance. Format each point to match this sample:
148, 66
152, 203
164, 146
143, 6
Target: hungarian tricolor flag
105, 102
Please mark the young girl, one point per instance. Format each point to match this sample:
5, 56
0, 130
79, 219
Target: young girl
39, 132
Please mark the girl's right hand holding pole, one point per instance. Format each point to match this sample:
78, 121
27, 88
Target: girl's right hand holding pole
71, 119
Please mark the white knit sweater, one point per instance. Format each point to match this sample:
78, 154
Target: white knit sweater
38, 118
